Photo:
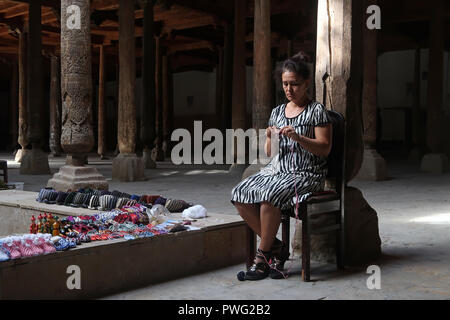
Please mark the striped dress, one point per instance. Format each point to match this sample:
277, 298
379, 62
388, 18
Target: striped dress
275, 183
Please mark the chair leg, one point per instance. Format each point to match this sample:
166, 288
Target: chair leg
285, 230
339, 257
306, 262
251, 247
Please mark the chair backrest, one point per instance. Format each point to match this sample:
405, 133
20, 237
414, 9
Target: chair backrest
336, 157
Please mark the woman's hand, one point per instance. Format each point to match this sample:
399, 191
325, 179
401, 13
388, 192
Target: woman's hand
271, 130
290, 133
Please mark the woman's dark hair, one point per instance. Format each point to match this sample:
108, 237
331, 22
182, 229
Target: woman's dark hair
297, 64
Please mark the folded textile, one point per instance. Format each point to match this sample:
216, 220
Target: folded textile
195, 212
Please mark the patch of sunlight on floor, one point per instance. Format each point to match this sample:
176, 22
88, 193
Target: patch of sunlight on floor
443, 218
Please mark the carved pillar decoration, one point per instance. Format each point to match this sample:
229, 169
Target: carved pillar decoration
77, 137
23, 119
339, 55
373, 166
436, 161
262, 66
55, 106
36, 161
101, 147
148, 118
127, 166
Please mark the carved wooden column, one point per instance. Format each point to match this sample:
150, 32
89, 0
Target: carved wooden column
77, 137
14, 93
418, 118
339, 54
127, 166
239, 100
148, 117
373, 166
36, 161
436, 161
239, 84
23, 119
227, 90
157, 153
262, 66
165, 104
101, 148
55, 106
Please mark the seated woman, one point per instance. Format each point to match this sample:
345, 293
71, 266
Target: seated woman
298, 170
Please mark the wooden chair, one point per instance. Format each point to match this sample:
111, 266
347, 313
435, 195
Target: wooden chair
4, 169
322, 203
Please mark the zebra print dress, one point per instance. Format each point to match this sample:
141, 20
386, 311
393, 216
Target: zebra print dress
275, 183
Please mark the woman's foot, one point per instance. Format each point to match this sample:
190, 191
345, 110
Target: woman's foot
260, 268
280, 254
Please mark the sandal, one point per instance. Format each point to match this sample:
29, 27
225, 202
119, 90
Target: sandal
260, 270
280, 254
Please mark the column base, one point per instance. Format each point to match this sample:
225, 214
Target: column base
34, 162
128, 168
19, 155
149, 163
373, 167
362, 237
75, 178
436, 163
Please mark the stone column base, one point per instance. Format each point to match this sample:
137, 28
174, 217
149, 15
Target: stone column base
361, 233
34, 162
373, 167
149, 163
75, 178
19, 155
434, 163
128, 168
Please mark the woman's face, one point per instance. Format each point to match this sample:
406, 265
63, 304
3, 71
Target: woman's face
294, 86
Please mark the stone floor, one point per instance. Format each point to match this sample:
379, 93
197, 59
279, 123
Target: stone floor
414, 221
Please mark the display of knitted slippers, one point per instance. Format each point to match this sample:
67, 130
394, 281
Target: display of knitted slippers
131, 203
94, 202
121, 202
4, 255
51, 197
61, 198
161, 201
44, 194
176, 205
116, 193
107, 202
78, 200
60, 243
69, 199
87, 200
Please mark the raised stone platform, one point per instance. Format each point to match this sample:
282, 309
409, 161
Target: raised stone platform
112, 266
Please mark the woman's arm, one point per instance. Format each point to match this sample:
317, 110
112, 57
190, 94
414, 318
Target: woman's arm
268, 145
320, 146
